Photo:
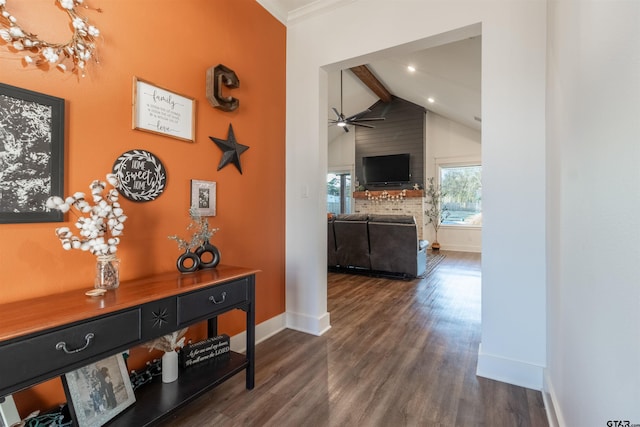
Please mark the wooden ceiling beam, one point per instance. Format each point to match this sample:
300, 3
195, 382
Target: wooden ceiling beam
372, 82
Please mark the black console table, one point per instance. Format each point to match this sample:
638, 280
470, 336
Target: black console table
138, 311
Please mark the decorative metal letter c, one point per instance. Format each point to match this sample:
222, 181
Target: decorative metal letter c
217, 77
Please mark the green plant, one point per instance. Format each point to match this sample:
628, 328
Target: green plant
437, 212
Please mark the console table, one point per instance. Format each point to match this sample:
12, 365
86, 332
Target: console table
93, 328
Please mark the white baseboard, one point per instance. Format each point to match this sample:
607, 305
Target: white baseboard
460, 248
264, 330
510, 371
268, 328
554, 415
308, 324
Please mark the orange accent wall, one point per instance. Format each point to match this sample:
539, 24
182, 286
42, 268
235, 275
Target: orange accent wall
170, 44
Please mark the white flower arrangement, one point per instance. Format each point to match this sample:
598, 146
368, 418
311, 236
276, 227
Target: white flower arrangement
73, 54
100, 225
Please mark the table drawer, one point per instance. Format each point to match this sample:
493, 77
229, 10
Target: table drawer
53, 353
208, 301
159, 318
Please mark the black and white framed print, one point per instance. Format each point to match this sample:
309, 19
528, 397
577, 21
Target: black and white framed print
203, 197
98, 392
8, 412
31, 155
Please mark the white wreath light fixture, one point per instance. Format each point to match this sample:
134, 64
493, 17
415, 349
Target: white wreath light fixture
70, 56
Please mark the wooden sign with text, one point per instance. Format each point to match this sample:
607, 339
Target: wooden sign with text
141, 175
212, 348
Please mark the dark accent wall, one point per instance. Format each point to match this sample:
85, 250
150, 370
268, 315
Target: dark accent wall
402, 131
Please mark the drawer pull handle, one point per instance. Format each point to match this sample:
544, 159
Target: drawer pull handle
213, 299
63, 345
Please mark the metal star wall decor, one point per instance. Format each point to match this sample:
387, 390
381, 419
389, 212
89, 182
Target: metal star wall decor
231, 150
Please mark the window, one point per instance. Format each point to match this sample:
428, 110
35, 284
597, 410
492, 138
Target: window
462, 186
339, 193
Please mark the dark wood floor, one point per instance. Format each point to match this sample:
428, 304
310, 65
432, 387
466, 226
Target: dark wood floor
399, 353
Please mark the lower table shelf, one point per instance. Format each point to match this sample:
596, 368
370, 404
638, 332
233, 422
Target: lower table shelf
156, 400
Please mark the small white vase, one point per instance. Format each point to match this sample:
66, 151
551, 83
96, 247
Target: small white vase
169, 367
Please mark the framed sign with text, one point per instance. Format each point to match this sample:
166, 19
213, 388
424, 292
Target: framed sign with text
141, 175
162, 111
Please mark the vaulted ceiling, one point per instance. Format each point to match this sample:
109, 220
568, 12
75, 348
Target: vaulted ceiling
446, 78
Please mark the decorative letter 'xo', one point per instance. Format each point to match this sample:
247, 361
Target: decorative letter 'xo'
217, 77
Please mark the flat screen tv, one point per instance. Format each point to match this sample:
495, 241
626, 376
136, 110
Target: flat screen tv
384, 170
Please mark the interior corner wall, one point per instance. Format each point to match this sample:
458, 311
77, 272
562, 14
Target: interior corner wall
171, 46
513, 153
593, 374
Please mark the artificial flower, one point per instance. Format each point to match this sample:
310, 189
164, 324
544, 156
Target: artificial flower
99, 225
77, 51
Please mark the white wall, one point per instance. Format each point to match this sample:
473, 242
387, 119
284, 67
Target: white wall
593, 142
451, 142
513, 151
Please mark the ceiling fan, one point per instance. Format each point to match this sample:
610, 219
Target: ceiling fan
355, 120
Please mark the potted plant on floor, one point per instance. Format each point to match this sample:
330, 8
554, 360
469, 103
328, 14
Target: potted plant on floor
437, 212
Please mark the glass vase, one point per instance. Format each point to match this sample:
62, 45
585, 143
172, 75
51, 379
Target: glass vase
107, 272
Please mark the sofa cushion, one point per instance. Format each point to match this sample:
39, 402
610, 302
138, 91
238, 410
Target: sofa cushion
331, 245
352, 243
398, 219
352, 217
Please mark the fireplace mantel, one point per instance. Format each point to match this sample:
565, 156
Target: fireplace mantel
391, 193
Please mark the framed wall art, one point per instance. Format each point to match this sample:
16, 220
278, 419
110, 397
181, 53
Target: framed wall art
98, 392
141, 175
203, 197
8, 412
162, 111
31, 155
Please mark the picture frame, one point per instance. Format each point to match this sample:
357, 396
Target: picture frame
163, 112
31, 155
98, 392
8, 412
203, 197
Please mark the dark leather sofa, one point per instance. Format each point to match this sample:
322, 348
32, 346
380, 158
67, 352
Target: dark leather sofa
377, 244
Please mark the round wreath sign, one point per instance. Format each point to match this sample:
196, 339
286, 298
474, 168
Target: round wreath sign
70, 56
141, 175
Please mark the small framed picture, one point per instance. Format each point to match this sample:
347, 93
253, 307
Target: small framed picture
203, 197
98, 392
8, 412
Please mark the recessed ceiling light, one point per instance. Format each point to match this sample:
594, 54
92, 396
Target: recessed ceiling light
411, 68
431, 100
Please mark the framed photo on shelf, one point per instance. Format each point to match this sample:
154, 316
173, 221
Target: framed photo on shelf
162, 111
98, 392
203, 197
31, 155
8, 412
